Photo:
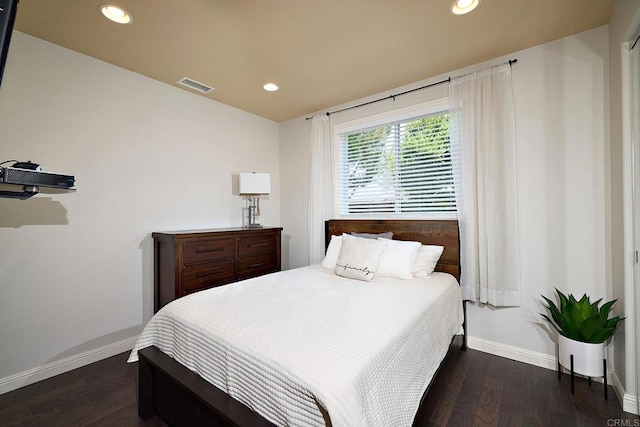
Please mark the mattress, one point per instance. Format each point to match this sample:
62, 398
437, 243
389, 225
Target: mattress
305, 347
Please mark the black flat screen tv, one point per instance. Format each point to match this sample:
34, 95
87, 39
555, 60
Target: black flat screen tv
8, 10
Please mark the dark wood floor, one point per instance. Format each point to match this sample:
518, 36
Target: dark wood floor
472, 389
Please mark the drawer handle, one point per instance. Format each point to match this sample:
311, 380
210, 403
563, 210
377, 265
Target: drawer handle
256, 245
210, 273
260, 264
204, 251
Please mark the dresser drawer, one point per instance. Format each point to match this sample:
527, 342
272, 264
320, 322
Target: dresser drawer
256, 265
261, 243
207, 250
207, 275
189, 261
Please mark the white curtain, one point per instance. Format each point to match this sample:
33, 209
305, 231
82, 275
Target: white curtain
320, 186
482, 128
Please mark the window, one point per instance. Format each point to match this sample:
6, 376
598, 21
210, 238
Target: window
398, 168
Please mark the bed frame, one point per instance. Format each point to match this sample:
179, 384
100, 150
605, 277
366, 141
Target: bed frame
180, 397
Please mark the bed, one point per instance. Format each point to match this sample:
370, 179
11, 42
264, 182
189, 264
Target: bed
266, 360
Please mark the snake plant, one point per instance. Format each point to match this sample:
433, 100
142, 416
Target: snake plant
582, 320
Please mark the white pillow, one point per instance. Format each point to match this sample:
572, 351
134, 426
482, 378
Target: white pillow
359, 257
398, 258
333, 250
426, 260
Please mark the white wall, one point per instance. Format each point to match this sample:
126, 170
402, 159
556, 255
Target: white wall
76, 269
294, 193
561, 101
560, 91
623, 28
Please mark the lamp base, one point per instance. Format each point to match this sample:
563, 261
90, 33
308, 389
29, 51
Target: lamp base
249, 217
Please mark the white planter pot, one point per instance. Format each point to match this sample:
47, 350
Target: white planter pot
587, 357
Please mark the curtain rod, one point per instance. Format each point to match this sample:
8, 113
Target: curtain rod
328, 113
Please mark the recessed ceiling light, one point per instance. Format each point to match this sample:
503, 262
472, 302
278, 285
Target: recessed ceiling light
116, 14
271, 87
460, 7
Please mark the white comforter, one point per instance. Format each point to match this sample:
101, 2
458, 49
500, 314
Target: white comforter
302, 343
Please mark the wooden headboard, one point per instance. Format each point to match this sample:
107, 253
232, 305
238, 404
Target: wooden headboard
428, 232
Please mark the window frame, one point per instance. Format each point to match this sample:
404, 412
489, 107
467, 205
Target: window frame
376, 120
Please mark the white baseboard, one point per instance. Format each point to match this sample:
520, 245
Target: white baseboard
629, 401
514, 353
52, 369
547, 361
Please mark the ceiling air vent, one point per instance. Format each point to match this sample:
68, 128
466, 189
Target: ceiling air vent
192, 84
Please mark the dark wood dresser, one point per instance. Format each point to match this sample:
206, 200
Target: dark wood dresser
193, 260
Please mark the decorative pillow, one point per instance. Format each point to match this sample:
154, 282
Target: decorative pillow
426, 260
398, 258
333, 250
385, 235
359, 257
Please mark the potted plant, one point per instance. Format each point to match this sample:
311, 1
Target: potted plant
583, 329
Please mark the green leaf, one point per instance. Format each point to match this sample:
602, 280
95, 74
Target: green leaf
594, 307
552, 306
602, 335
557, 315
563, 299
604, 310
574, 315
613, 322
584, 300
584, 305
590, 326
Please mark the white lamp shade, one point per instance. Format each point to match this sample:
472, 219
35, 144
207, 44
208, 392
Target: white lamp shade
254, 183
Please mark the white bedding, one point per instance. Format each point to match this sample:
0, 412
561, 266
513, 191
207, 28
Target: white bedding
295, 344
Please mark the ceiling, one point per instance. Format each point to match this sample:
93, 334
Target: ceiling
321, 53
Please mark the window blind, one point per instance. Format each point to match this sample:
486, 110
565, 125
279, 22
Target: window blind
401, 168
